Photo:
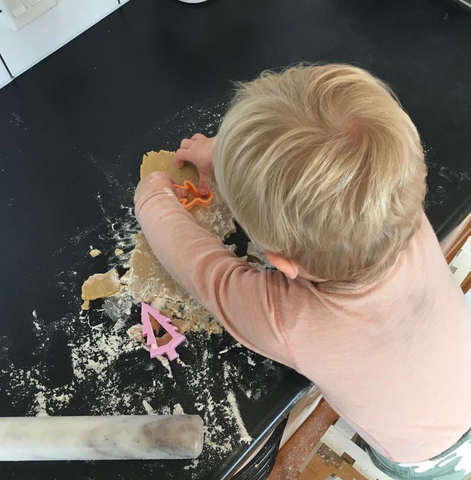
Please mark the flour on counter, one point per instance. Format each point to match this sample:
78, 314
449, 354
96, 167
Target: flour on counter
236, 345
107, 369
103, 359
443, 180
234, 410
148, 408
192, 465
117, 306
41, 405
250, 361
36, 324
166, 364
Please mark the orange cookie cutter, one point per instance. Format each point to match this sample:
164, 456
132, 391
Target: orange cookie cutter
197, 198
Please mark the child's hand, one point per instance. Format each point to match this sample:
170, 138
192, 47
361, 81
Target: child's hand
152, 185
199, 151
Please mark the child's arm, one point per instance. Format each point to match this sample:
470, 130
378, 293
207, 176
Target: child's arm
245, 300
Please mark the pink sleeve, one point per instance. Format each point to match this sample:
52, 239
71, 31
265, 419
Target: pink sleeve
242, 298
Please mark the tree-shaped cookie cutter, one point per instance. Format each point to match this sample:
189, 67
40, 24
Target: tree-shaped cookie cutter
148, 332
197, 198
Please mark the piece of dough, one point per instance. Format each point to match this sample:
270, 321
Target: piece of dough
95, 252
135, 333
100, 285
147, 281
232, 247
257, 256
164, 161
216, 217
118, 252
256, 253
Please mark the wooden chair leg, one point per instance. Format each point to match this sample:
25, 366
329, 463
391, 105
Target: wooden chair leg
302, 443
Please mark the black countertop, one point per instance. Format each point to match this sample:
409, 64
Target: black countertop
72, 134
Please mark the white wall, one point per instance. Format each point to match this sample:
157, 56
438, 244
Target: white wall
468, 297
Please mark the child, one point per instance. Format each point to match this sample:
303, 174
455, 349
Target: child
323, 169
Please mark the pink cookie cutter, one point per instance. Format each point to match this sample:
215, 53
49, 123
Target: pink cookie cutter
148, 332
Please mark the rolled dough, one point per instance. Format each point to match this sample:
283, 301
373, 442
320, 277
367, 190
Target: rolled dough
164, 161
216, 217
100, 285
146, 280
257, 254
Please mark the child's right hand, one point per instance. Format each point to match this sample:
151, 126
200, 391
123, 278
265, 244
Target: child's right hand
199, 151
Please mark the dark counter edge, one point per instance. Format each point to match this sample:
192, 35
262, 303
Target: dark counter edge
456, 217
265, 435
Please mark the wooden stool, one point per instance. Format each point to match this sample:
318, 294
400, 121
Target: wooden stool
336, 455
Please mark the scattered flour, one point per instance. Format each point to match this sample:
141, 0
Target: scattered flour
443, 180
166, 364
36, 323
148, 408
41, 405
166, 411
234, 410
108, 370
117, 306
236, 345
192, 465
106, 378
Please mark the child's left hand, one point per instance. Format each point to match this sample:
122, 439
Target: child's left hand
153, 184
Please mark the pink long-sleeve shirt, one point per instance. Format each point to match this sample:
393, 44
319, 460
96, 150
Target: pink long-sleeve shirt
392, 357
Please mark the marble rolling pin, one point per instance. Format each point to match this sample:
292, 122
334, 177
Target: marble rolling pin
147, 437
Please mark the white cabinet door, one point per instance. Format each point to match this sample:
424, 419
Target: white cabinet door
26, 47
18, 13
4, 75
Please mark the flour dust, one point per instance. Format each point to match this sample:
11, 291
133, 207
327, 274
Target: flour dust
91, 364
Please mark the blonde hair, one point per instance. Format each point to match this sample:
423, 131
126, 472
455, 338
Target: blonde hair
322, 165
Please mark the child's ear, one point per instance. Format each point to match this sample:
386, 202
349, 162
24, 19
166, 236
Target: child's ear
284, 264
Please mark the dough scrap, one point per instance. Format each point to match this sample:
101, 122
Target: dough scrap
95, 252
135, 333
232, 247
118, 252
257, 254
100, 285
